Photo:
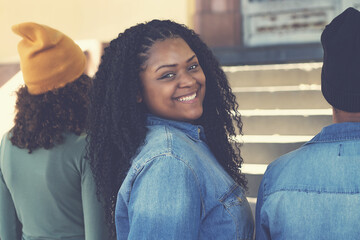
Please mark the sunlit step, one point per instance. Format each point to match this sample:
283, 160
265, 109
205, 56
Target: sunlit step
274, 67
297, 99
285, 121
272, 138
286, 112
253, 168
301, 87
252, 202
263, 149
274, 75
254, 174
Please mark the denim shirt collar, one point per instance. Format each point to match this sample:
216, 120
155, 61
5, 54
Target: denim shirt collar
196, 132
338, 132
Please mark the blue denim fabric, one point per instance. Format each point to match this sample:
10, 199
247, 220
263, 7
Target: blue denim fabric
314, 191
176, 189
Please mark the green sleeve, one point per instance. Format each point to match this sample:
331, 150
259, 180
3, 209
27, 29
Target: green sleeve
10, 226
94, 219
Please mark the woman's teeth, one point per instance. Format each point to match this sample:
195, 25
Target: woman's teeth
187, 98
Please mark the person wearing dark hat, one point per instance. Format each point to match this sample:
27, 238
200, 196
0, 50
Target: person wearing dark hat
314, 191
47, 190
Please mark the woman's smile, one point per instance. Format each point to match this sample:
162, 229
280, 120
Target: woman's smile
187, 99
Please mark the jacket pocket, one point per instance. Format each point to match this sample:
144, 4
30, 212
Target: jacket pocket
238, 208
235, 196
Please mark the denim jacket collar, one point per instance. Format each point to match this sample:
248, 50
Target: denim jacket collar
338, 132
196, 132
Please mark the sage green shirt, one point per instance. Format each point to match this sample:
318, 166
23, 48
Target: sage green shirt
49, 194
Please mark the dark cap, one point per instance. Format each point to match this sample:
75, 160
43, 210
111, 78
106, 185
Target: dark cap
340, 76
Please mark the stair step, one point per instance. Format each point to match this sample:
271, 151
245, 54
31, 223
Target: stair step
252, 202
298, 99
254, 169
272, 138
284, 124
282, 107
263, 149
254, 181
254, 174
274, 75
265, 153
301, 87
286, 112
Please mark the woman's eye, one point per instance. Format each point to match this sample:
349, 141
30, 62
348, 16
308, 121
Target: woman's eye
168, 75
192, 67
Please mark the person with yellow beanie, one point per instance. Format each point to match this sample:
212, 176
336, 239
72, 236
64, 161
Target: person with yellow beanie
47, 190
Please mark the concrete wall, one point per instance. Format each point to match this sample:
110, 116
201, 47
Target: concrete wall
85, 19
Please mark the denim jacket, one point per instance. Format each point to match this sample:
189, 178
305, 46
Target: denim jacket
176, 189
314, 191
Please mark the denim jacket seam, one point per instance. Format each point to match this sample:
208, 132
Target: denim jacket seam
169, 153
192, 133
264, 197
236, 226
170, 139
193, 138
309, 191
264, 180
168, 132
229, 191
222, 198
141, 166
235, 223
197, 180
332, 140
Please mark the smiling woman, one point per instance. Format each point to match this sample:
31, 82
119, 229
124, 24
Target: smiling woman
159, 121
173, 81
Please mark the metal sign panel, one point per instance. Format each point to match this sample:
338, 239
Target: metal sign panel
279, 22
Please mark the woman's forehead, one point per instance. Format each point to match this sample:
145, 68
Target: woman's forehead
169, 51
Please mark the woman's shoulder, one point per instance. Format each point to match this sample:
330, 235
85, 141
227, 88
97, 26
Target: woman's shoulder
167, 145
163, 139
156, 143
158, 154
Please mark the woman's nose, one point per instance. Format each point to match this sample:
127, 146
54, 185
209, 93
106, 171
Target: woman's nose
186, 80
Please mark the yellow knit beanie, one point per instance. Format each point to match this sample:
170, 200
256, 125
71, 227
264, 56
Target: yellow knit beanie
48, 58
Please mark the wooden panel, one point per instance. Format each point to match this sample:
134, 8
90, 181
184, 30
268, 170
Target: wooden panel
218, 22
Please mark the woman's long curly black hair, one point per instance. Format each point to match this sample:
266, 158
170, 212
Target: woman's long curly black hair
117, 122
41, 120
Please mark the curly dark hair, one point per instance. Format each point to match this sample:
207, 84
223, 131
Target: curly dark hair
117, 122
42, 119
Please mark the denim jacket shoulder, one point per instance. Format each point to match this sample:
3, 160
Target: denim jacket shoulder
181, 148
318, 182
340, 140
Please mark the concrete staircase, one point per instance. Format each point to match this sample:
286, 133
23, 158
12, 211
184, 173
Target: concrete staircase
281, 107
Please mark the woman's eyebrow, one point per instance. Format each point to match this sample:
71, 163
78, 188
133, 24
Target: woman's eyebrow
163, 66
174, 65
191, 58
